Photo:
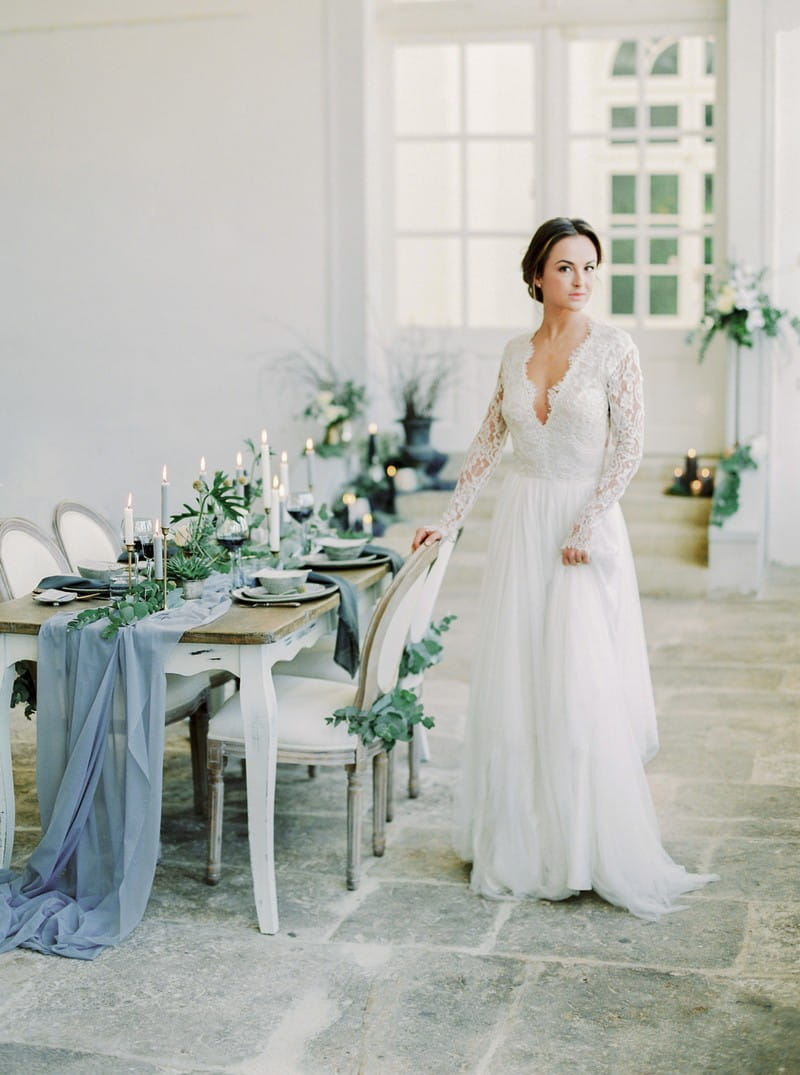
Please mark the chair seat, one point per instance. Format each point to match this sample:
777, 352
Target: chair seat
316, 662
183, 693
303, 705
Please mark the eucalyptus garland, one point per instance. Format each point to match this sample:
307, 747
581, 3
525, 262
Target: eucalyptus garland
144, 598
418, 656
391, 719
726, 491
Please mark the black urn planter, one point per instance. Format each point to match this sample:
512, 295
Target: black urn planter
417, 452
417, 431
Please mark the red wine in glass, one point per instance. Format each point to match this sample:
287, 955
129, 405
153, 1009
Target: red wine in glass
231, 542
301, 513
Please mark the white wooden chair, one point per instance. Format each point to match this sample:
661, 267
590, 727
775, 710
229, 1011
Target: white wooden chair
304, 738
420, 623
318, 662
83, 535
28, 554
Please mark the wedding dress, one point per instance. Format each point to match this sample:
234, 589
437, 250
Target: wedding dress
553, 798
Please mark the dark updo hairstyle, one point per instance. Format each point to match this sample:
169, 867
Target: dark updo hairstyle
547, 235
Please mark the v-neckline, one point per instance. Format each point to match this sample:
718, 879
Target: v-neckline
554, 391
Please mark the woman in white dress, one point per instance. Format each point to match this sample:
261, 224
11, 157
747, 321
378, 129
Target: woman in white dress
553, 799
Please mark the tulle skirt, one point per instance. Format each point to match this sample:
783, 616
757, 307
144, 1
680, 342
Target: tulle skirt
553, 798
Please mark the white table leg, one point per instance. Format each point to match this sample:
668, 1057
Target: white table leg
259, 716
7, 805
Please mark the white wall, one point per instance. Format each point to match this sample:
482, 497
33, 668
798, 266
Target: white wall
784, 492
165, 224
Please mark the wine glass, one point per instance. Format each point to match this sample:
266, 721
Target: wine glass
232, 534
301, 507
143, 536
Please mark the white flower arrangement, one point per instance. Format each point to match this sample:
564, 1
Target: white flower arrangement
740, 307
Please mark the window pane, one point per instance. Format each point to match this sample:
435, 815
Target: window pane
662, 250
622, 117
666, 62
708, 193
500, 186
623, 193
428, 282
663, 116
427, 183
663, 194
710, 56
499, 89
623, 251
664, 295
708, 118
625, 59
496, 292
708, 250
426, 99
622, 294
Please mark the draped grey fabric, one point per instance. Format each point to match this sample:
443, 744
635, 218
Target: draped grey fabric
100, 737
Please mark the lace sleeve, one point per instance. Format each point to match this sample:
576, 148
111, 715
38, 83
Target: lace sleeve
626, 411
482, 457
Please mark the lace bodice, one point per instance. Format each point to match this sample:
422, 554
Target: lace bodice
593, 433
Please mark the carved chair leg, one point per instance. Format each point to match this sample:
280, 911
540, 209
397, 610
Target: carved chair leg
380, 772
216, 795
414, 751
355, 788
390, 786
198, 736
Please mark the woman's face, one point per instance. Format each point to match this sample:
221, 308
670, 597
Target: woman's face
568, 276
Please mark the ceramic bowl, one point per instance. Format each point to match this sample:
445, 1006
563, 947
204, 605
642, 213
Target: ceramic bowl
99, 570
342, 548
276, 581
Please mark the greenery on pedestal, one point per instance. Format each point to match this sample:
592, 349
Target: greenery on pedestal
726, 491
739, 307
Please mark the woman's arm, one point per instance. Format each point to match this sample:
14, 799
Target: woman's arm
626, 410
482, 458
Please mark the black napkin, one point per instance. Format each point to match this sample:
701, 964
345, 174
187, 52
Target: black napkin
73, 584
397, 560
347, 651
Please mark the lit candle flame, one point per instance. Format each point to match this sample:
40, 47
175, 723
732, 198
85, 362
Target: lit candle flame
164, 473
238, 459
284, 457
309, 444
372, 428
263, 437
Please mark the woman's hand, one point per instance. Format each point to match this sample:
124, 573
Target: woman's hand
425, 535
570, 556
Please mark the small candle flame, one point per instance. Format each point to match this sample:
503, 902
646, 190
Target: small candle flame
130, 500
372, 428
263, 436
309, 444
238, 459
284, 457
164, 473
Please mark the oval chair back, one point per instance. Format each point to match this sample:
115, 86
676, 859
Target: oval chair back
27, 555
388, 629
84, 535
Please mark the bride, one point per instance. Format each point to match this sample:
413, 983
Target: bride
553, 799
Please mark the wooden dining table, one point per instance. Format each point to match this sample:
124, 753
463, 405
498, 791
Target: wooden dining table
247, 641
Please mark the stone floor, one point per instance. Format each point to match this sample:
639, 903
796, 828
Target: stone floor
414, 974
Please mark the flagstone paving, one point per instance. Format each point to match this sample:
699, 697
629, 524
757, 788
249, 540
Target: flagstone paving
414, 974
